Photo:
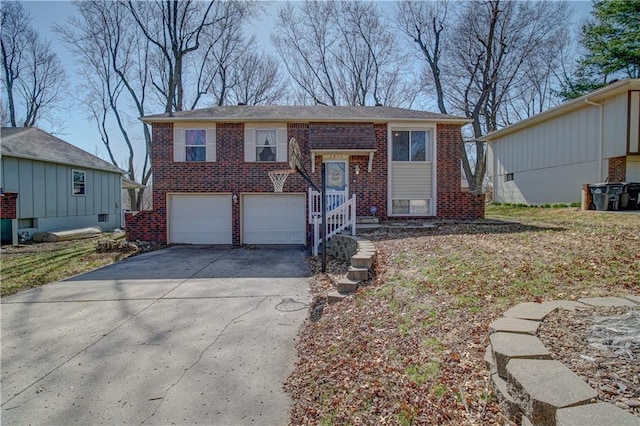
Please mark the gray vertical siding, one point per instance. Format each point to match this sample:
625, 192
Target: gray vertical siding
45, 194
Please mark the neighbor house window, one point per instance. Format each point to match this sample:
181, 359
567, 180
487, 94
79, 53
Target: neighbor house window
27, 223
508, 177
414, 145
103, 217
195, 141
266, 147
79, 182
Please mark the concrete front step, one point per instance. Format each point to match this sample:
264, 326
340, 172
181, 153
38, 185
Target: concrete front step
362, 260
358, 274
346, 285
542, 387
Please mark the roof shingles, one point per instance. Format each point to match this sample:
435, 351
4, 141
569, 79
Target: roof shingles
35, 144
315, 113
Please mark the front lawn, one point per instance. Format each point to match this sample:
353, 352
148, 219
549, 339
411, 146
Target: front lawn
409, 348
31, 265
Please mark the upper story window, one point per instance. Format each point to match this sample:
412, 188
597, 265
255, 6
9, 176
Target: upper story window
265, 145
195, 141
411, 145
194, 145
79, 182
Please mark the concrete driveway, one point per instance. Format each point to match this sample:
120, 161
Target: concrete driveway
184, 335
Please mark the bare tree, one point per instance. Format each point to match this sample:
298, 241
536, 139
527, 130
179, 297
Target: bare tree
483, 55
183, 30
33, 77
341, 53
115, 79
424, 23
257, 80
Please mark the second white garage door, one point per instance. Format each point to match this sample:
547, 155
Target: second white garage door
200, 219
273, 219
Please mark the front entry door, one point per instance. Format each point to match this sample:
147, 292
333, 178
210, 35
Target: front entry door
337, 179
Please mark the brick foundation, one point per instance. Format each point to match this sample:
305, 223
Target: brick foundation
617, 169
9, 205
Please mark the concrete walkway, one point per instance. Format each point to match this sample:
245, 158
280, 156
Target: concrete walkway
184, 335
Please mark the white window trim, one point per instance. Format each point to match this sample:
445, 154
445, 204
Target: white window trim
180, 147
433, 129
429, 131
282, 152
84, 172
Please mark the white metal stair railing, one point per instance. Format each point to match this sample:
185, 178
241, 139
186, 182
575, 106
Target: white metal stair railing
334, 200
337, 220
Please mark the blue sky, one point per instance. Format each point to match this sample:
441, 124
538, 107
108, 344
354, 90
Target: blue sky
78, 129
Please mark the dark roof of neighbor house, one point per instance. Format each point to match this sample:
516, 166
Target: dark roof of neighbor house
35, 144
587, 100
347, 136
315, 113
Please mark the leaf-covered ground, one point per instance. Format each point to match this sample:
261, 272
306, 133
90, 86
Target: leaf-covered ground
408, 348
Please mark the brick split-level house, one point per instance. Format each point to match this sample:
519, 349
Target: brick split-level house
210, 170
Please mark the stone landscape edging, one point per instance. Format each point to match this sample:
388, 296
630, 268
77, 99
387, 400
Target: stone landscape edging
533, 389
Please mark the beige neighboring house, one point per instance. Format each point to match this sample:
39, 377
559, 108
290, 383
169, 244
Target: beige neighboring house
548, 157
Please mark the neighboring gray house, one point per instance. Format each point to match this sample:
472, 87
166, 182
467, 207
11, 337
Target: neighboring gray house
549, 156
58, 185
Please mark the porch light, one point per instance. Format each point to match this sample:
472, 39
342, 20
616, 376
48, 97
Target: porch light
235, 199
357, 169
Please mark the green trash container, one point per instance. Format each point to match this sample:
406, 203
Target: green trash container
5, 231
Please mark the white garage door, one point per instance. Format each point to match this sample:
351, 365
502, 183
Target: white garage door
274, 219
200, 219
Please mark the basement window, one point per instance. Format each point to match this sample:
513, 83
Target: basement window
508, 177
28, 223
103, 217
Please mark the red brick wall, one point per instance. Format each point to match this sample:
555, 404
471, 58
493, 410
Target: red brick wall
8, 203
230, 174
617, 169
453, 203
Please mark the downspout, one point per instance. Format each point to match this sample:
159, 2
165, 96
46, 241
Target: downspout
601, 141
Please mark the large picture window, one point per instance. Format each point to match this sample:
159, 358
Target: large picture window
266, 146
195, 141
414, 145
79, 182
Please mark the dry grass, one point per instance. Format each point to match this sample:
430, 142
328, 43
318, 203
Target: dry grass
408, 349
31, 265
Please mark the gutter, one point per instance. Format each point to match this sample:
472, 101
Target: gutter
601, 141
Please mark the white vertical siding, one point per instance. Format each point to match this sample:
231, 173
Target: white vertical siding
411, 180
615, 126
45, 194
634, 122
572, 138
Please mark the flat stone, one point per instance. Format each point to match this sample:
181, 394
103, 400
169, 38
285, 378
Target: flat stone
514, 325
334, 297
530, 311
568, 305
598, 414
526, 422
541, 387
345, 285
606, 301
489, 362
357, 273
635, 299
361, 260
505, 400
508, 346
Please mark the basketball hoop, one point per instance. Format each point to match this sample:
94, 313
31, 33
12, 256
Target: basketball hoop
278, 177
